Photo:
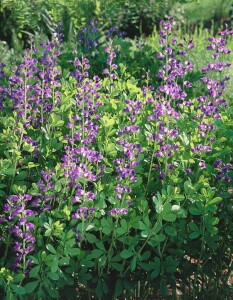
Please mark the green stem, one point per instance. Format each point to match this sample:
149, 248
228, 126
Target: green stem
199, 259
16, 163
6, 250
145, 243
111, 246
150, 169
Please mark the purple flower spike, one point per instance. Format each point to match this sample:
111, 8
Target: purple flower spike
117, 212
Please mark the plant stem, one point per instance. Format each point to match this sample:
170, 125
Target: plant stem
150, 169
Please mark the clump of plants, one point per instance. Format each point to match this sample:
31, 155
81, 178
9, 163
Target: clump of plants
110, 190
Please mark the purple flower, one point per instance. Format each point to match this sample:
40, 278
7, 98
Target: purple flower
83, 213
227, 178
217, 163
117, 212
171, 166
6, 207
226, 168
129, 202
202, 165
162, 174
188, 171
30, 226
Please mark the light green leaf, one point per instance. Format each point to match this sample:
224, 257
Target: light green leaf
51, 248
215, 200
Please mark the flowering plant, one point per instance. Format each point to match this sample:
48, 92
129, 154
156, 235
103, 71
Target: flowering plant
106, 184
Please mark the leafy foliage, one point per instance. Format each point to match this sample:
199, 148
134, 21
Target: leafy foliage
112, 183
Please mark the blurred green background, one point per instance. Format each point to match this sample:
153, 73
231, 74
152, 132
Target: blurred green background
24, 20
21, 18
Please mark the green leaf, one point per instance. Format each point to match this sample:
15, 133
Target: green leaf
52, 262
118, 288
124, 224
166, 208
159, 238
157, 227
126, 253
145, 266
19, 290
59, 123
158, 204
169, 217
51, 248
58, 186
28, 147
163, 287
56, 120
99, 289
117, 266
215, 200
113, 103
53, 276
64, 261
116, 258
22, 175
133, 263
31, 286
188, 187
90, 226
110, 170
91, 238
88, 263
169, 190
71, 242
96, 253
106, 230
34, 272
102, 260
146, 255
106, 227
31, 165
155, 266
18, 278
194, 211
2, 194
194, 235
9, 172
193, 226
179, 198
70, 235
170, 231
110, 149
120, 231
107, 122
143, 226
52, 292
72, 251
170, 264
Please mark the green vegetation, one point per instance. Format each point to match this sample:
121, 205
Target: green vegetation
115, 150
